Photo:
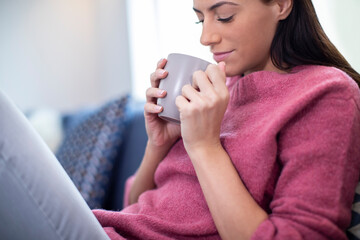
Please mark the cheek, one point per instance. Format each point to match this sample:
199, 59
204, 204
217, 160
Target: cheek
261, 26
253, 48
254, 33
259, 37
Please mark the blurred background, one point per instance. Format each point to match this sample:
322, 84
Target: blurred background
67, 54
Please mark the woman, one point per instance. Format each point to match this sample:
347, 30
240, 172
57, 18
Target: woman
269, 153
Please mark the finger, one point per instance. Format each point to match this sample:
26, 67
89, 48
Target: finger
201, 82
161, 63
156, 76
159, 73
180, 102
216, 75
190, 93
150, 108
153, 93
222, 66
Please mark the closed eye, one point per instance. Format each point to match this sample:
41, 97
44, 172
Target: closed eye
199, 22
225, 20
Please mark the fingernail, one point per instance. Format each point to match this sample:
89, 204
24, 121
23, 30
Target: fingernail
160, 60
158, 108
161, 92
162, 71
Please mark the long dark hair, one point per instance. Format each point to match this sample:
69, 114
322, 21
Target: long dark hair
300, 40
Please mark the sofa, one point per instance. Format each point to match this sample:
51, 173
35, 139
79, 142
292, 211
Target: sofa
118, 139
99, 146
126, 156
130, 155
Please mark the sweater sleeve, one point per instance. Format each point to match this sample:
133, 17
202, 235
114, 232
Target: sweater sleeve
318, 151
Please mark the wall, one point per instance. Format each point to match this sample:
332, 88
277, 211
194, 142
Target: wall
347, 28
341, 20
63, 54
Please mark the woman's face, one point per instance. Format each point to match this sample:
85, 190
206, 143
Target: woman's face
238, 32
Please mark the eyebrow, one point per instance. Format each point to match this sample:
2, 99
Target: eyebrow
216, 5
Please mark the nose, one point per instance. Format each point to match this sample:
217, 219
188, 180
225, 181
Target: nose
209, 35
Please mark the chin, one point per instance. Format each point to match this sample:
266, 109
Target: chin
231, 72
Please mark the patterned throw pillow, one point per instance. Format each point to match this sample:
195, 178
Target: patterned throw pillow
89, 150
353, 231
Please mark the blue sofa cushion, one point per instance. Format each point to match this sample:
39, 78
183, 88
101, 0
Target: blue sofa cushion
90, 148
130, 154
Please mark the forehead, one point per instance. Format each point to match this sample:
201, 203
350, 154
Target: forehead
214, 4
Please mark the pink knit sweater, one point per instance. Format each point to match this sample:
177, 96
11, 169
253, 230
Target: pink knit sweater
295, 142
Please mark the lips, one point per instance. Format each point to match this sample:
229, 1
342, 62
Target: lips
221, 56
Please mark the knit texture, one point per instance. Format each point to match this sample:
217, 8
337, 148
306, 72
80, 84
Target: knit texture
294, 140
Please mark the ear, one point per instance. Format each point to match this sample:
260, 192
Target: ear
284, 7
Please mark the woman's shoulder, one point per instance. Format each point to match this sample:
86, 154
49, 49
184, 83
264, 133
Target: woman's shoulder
302, 82
316, 75
325, 79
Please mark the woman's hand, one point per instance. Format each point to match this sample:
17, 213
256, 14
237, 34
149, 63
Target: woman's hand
161, 136
202, 107
160, 132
